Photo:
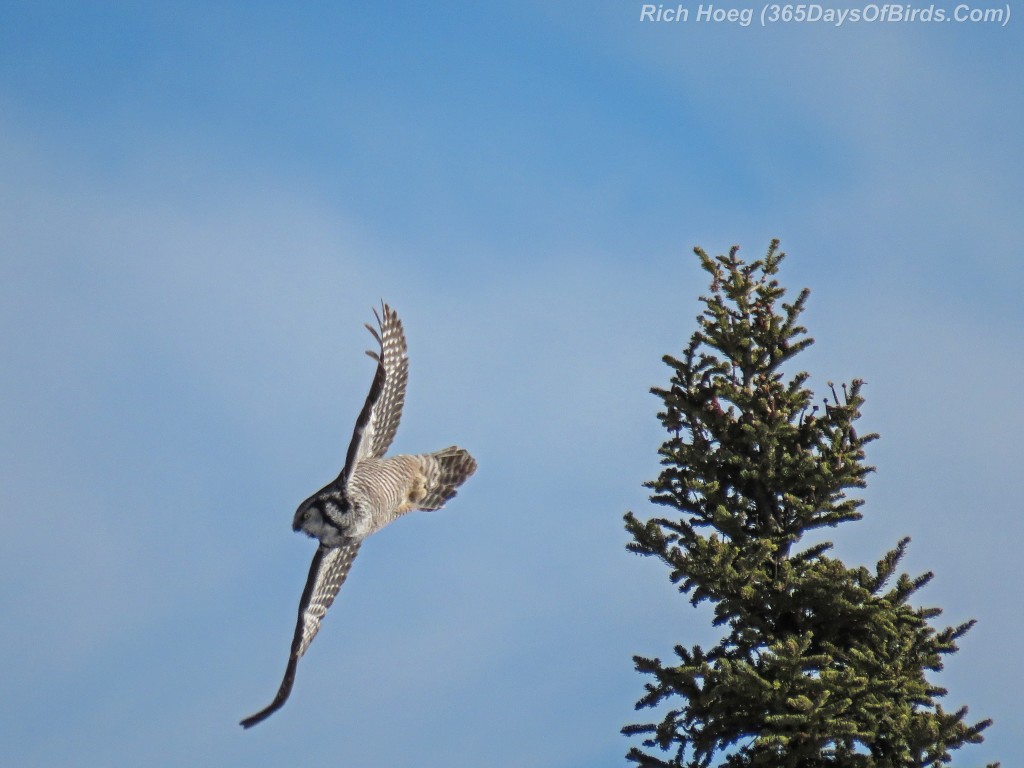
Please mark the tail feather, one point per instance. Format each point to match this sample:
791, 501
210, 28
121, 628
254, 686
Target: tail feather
449, 468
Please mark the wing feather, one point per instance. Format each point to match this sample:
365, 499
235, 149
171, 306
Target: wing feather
327, 573
378, 421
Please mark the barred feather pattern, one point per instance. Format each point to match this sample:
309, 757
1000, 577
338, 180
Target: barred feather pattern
382, 490
331, 574
327, 572
447, 470
387, 410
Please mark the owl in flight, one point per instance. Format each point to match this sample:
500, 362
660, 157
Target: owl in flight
371, 491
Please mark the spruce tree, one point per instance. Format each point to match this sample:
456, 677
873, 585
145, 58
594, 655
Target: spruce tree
820, 664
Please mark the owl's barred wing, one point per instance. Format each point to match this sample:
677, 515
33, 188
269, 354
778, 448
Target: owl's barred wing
378, 421
322, 585
327, 573
393, 357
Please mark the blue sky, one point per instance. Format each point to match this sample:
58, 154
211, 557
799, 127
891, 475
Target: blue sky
200, 204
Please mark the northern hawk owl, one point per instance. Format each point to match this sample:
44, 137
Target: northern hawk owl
371, 491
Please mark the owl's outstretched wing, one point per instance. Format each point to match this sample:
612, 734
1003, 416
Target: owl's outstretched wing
327, 573
387, 409
378, 421
374, 430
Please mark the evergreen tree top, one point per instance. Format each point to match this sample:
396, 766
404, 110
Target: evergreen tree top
753, 456
821, 664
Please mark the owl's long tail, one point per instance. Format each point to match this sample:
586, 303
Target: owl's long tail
446, 470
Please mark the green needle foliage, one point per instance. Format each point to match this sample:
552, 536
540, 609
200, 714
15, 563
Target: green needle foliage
820, 664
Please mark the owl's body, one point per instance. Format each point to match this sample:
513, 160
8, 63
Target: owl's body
371, 492
380, 491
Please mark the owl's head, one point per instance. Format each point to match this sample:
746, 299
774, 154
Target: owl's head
311, 520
